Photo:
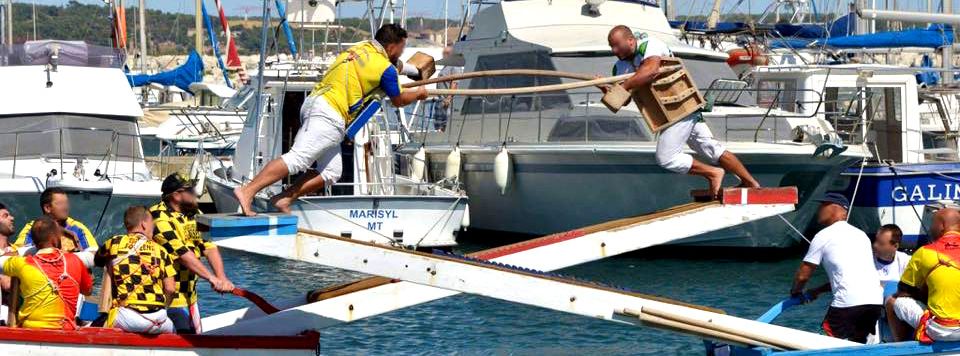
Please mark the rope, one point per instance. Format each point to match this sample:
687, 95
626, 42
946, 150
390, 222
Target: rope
793, 228
448, 214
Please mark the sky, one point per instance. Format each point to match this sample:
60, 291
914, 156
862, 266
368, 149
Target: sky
434, 8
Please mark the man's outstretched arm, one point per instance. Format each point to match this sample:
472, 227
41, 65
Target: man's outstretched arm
644, 75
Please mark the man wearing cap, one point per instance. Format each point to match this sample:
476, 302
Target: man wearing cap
176, 230
846, 254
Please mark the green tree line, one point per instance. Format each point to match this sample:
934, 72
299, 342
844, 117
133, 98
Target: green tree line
169, 33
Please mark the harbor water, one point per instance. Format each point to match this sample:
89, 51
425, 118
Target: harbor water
472, 325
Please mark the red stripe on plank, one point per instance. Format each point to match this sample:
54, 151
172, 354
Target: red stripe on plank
112, 337
528, 245
779, 195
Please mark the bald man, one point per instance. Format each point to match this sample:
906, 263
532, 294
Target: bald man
932, 275
640, 54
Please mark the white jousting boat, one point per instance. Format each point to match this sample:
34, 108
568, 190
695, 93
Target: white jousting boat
100, 341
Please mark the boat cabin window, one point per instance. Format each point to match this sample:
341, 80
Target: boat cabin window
880, 108
519, 103
73, 136
241, 99
782, 94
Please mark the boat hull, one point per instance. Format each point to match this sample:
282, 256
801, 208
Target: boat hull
897, 194
411, 220
99, 341
561, 189
101, 207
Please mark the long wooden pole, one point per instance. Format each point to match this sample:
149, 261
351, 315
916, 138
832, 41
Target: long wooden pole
500, 72
531, 90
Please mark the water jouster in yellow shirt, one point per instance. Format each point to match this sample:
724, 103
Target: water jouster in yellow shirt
338, 107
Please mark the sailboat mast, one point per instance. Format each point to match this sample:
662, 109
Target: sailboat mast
34, 20
947, 50
10, 24
714, 15
198, 28
143, 37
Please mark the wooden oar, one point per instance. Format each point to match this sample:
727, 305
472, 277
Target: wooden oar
255, 299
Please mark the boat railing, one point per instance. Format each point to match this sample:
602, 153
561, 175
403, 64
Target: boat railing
581, 117
112, 155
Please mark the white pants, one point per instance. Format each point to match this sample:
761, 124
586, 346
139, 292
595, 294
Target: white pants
318, 140
692, 132
149, 323
911, 311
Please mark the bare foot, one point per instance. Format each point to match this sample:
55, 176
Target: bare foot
715, 177
282, 202
246, 202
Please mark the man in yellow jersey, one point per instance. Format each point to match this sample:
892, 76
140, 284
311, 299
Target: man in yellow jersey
933, 276
51, 281
176, 230
356, 78
142, 276
76, 236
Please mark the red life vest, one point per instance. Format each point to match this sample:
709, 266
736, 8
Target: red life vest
947, 248
66, 287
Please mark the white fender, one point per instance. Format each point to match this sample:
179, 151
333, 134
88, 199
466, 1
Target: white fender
465, 223
452, 171
419, 166
503, 170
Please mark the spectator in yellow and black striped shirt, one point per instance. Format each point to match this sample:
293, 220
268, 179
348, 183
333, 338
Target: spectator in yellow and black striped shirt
176, 231
142, 276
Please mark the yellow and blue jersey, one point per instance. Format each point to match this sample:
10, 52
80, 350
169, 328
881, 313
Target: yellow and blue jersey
356, 74
85, 237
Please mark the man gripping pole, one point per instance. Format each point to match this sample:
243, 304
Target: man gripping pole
359, 75
641, 56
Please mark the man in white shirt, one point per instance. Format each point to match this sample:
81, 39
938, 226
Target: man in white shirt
888, 259
845, 253
640, 54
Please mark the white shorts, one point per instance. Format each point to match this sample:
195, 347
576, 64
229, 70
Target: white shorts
318, 140
693, 132
911, 311
148, 323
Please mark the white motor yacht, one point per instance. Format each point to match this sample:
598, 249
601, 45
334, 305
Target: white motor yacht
69, 120
573, 162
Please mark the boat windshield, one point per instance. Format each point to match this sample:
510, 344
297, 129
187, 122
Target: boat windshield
69, 136
71, 53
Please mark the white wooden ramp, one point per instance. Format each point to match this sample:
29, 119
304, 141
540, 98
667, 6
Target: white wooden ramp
377, 295
521, 285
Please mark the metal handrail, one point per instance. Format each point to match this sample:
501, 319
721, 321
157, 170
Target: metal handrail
108, 155
587, 101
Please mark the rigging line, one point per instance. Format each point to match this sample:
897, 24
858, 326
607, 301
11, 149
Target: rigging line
506, 133
466, 106
447, 213
795, 230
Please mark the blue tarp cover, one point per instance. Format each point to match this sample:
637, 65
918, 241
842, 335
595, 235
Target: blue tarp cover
934, 37
189, 72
